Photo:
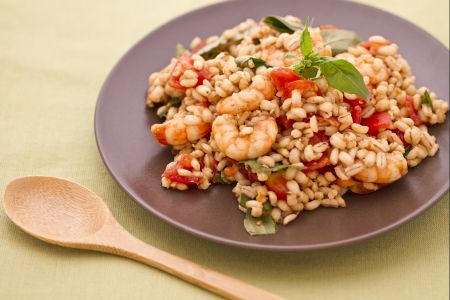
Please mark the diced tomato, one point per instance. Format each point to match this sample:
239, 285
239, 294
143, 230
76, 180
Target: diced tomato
174, 81
281, 77
409, 104
327, 27
247, 172
360, 101
173, 176
284, 122
318, 164
401, 135
303, 85
184, 162
202, 75
319, 137
355, 102
377, 122
185, 62
278, 184
356, 114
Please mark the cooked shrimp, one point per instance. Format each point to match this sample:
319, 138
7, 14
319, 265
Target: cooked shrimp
183, 128
248, 99
391, 170
248, 143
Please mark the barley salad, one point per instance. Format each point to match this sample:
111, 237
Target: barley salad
294, 116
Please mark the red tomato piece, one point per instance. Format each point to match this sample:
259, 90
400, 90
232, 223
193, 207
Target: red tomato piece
284, 122
355, 102
278, 184
377, 122
319, 137
184, 162
401, 135
247, 172
185, 62
356, 114
409, 103
303, 85
319, 164
281, 77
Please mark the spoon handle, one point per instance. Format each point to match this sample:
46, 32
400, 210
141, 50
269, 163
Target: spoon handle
118, 241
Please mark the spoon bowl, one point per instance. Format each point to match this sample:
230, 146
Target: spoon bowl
62, 212
53, 209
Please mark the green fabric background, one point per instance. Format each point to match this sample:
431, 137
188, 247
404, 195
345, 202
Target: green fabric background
54, 56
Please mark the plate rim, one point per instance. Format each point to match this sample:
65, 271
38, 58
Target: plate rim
230, 242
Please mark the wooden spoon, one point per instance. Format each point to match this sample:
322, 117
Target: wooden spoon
64, 213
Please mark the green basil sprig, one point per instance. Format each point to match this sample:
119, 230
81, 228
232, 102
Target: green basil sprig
251, 62
340, 39
339, 73
280, 24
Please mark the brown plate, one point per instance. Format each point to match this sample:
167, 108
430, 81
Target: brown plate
136, 161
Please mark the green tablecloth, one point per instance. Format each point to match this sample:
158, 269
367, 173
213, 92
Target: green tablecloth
54, 56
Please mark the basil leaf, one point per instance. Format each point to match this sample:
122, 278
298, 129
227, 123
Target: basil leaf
221, 178
279, 167
426, 99
280, 24
179, 49
213, 49
243, 62
243, 200
259, 226
255, 166
340, 39
306, 44
342, 75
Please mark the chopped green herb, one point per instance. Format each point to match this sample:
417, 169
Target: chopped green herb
259, 226
267, 208
256, 167
250, 62
179, 49
243, 200
407, 150
280, 24
340, 39
426, 99
221, 178
174, 102
213, 49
